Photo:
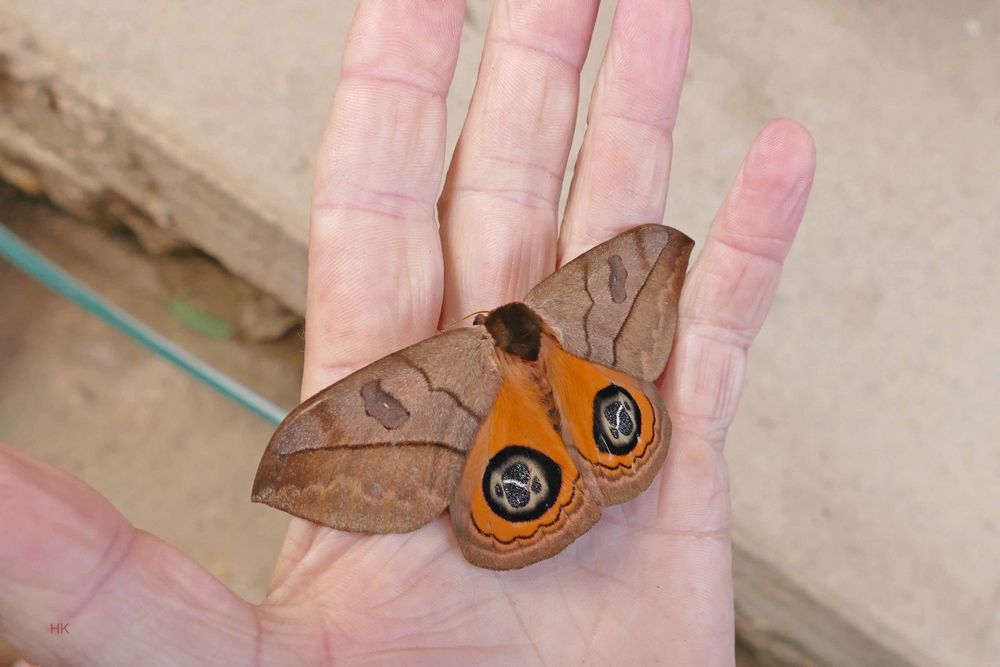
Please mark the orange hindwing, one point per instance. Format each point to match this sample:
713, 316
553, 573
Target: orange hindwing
614, 424
521, 497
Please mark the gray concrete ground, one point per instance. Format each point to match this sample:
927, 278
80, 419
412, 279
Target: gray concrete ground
865, 459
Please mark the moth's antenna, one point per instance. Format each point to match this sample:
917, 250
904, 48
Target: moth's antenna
462, 319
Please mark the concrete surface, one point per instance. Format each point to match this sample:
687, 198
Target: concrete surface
865, 459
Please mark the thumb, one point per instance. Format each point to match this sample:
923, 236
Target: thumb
80, 585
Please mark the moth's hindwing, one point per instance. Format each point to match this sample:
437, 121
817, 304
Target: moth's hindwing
614, 424
521, 498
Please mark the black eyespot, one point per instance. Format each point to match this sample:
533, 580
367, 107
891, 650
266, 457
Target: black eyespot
525, 483
617, 420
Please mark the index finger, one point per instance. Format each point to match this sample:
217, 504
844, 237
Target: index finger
374, 251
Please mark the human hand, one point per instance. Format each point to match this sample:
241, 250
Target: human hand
651, 582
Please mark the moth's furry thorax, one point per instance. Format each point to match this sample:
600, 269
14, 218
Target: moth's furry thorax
515, 329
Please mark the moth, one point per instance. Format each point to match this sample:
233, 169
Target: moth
523, 425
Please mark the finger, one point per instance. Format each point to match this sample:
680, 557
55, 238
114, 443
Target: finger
729, 290
80, 585
500, 200
374, 250
723, 304
622, 171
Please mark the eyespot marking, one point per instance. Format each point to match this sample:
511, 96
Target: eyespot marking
520, 483
617, 421
616, 279
383, 406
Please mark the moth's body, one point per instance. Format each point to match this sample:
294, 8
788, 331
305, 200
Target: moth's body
524, 424
517, 333
516, 329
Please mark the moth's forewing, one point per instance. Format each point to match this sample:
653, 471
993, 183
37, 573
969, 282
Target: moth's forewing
616, 304
382, 450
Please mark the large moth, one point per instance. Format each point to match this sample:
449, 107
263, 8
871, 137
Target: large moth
523, 425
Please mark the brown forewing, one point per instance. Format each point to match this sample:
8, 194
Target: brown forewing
381, 450
616, 304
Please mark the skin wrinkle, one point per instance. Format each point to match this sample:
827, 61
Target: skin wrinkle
404, 298
397, 204
718, 535
526, 165
568, 609
760, 283
438, 652
509, 109
328, 632
719, 381
637, 190
769, 249
405, 124
597, 624
297, 543
322, 554
123, 540
378, 78
664, 124
561, 26
572, 67
258, 637
524, 197
512, 605
385, 34
742, 317
500, 274
313, 539
635, 593
725, 334
407, 562
355, 207
420, 613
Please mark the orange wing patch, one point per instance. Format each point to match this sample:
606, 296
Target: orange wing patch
521, 498
614, 423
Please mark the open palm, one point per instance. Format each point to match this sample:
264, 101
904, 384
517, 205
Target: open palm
651, 582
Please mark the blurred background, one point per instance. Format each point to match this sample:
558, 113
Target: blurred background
162, 152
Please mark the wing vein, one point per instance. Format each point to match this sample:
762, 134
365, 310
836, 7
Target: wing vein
430, 385
361, 445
